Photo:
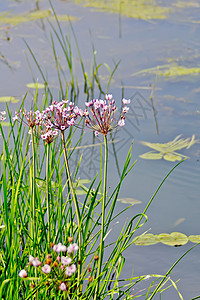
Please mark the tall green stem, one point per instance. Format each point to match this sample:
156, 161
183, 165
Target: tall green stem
33, 189
76, 207
103, 202
47, 197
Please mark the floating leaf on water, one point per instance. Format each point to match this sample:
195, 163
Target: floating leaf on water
9, 99
33, 16
146, 240
151, 155
84, 181
170, 70
172, 157
22, 18
129, 200
64, 18
35, 85
186, 4
173, 239
194, 238
168, 150
143, 9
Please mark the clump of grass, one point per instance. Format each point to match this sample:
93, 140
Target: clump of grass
39, 214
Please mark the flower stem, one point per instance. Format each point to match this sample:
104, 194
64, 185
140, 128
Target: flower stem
103, 202
76, 208
33, 188
47, 197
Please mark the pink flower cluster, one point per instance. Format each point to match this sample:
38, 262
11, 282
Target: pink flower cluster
33, 118
63, 264
61, 115
103, 115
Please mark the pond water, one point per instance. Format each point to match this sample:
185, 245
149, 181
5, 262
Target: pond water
170, 39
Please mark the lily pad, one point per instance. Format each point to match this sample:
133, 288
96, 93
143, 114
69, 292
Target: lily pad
129, 200
9, 99
170, 70
194, 238
35, 85
146, 240
143, 9
13, 19
173, 239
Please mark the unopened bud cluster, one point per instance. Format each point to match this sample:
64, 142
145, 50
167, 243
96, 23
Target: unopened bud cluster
58, 266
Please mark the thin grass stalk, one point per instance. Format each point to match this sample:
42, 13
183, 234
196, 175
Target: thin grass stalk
76, 208
47, 196
102, 215
33, 188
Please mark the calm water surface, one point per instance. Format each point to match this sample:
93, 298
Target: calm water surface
139, 45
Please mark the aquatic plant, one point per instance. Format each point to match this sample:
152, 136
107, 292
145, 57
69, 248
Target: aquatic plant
168, 150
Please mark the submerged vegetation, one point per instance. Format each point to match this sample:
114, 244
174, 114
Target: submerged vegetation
170, 70
13, 19
143, 9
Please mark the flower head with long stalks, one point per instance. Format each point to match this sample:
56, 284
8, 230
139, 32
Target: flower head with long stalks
61, 115
102, 116
102, 119
33, 118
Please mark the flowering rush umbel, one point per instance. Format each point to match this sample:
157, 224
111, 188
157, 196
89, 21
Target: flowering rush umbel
57, 117
32, 118
102, 115
61, 115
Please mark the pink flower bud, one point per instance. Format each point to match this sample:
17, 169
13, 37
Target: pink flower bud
23, 274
